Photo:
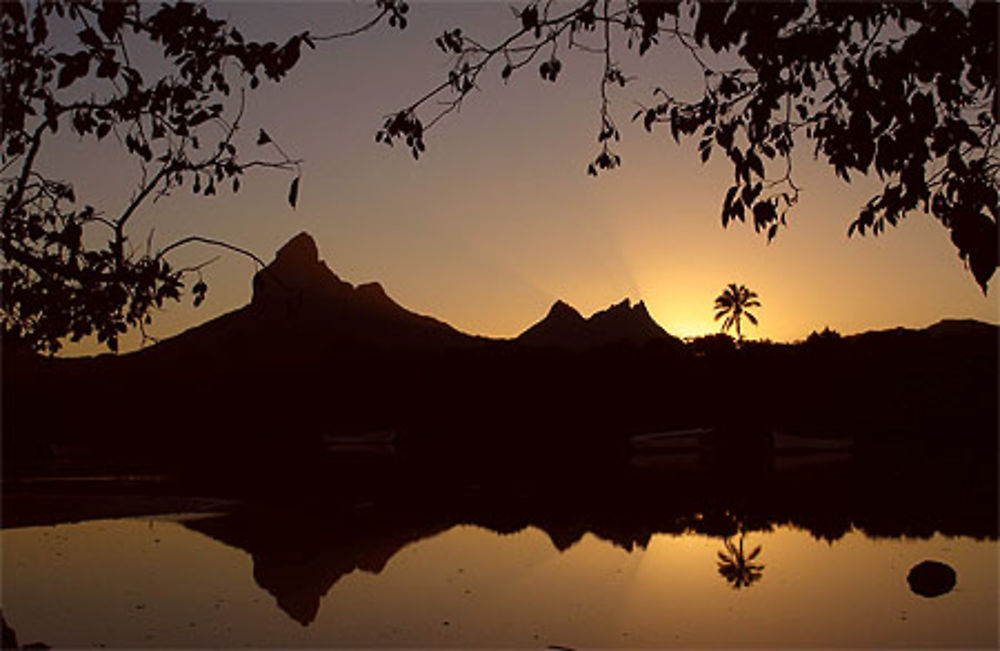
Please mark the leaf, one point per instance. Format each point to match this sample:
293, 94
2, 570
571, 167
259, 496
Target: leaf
108, 68
90, 38
764, 214
293, 192
67, 76
111, 18
263, 138
529, 18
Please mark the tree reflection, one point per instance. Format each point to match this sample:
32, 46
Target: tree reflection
737, 567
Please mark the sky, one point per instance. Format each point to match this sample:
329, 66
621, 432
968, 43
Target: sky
499, 218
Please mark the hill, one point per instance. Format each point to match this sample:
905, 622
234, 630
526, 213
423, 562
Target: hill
565, 327
301, 311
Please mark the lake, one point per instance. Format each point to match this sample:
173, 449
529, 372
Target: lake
232, 580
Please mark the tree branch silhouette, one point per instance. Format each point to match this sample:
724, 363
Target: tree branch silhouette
60, 277
906, 91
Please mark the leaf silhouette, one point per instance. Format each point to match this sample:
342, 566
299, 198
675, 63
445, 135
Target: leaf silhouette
293, 192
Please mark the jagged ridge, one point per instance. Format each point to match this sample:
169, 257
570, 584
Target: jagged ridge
565, 327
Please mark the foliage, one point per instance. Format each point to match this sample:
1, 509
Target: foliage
827, 337
714, 345
906, 90
71, 270
734, 303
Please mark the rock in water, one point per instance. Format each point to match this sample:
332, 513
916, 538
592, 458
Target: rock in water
931, 578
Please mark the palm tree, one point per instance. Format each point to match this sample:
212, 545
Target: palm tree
732, 303
737, 567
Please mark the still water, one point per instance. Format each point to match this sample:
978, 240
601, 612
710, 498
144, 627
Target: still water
172, 582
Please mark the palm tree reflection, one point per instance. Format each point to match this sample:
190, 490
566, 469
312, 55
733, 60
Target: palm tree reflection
737, 567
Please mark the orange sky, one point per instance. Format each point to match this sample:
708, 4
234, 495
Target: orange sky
499, 218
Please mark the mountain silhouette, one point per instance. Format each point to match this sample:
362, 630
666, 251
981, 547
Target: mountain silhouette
313, 355
301, 310
565, 327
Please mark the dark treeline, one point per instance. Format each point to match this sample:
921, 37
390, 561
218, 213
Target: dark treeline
312, 356
934, 389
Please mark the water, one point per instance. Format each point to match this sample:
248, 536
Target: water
221, 581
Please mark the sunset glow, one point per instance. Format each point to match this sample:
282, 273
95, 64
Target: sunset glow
406, 324
499, 219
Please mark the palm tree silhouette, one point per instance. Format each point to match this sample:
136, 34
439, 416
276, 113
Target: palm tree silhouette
737, 567
732, 303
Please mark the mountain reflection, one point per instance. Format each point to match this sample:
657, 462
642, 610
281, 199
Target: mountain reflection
298, 558
302, 544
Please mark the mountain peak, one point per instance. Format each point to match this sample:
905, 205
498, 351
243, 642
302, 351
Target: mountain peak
622, 306
564, 327
295, 272
562, 310
298, 286
618, 312
301, 250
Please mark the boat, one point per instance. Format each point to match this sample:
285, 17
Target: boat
679, 440
793, 443
375, 442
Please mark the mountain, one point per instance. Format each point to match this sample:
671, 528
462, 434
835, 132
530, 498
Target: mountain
312, 355
565, 327
300, 309
962, 328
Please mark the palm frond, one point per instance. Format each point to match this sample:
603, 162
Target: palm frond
733, 303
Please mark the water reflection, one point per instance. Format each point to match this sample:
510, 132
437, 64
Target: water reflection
301, 548
385, 555
298, 557
737, 567
124, 584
